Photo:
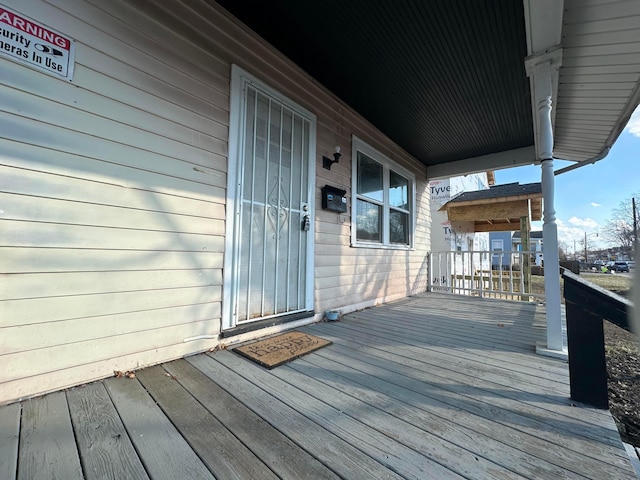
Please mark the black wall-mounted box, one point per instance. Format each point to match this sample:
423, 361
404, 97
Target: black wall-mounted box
333, 199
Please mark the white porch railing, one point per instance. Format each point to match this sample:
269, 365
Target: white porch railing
483, 273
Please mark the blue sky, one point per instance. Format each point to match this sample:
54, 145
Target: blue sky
586, 196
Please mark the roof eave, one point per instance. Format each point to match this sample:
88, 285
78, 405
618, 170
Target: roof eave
599, 79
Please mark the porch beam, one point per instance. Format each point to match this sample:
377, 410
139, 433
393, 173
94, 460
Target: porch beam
494, 227
494, 161
491, 201
489, 211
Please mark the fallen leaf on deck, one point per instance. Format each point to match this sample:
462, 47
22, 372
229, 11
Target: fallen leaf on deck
217, 348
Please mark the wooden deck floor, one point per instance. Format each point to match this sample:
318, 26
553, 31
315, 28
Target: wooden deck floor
434, 386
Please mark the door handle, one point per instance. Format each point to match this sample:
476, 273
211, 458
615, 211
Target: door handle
306, 218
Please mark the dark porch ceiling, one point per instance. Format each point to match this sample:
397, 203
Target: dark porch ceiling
447, 76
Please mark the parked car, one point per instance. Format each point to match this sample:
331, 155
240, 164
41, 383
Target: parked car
618, 266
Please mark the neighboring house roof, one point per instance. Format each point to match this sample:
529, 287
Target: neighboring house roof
504, 191
498, 208
536, 235
446, 80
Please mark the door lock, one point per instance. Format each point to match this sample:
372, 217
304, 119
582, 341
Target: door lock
306, 218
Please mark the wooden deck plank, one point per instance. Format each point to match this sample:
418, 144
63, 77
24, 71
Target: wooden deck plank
510, 329
467, 364
445, 330
221, 451
464, 364
517, 319
549, 369
345, 459
47, 446
105, 448
499, 333
9, 437
163, 451
397, 457
425, 387
633, 456
464, 391
288, 460
475, 426
465, 372
518, 316
517, 369
448, 445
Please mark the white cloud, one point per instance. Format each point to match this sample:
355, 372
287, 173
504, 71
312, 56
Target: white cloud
594, 204
572, 236
633, 127
568, 235
584, 223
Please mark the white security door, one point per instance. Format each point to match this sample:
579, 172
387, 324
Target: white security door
273, 235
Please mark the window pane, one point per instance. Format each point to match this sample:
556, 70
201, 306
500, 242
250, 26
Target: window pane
369, 178
398, 191
368, 221
398, 227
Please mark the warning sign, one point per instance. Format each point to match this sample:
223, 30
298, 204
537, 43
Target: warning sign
36, 45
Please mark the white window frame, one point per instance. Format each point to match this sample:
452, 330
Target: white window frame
358, 145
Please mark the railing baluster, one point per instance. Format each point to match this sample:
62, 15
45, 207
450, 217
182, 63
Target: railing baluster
472, 273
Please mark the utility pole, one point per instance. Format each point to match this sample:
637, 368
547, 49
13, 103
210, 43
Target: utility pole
586, 259
635, 220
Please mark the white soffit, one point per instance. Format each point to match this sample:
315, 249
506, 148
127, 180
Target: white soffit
599, 85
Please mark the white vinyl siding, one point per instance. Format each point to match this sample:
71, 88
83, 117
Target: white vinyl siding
113, 192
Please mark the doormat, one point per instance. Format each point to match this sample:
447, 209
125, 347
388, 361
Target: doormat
275, 351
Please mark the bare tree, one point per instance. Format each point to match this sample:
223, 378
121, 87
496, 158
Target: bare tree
563, 248
619, 229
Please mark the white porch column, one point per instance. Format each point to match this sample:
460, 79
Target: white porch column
550, 249
543, 73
